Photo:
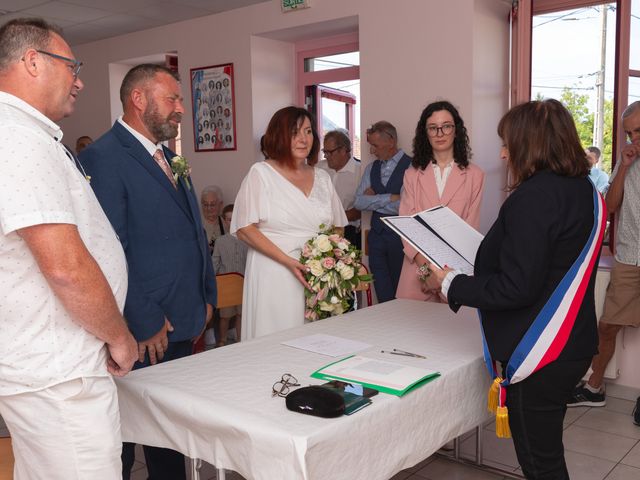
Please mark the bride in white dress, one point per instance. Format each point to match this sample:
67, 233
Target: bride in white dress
281, 204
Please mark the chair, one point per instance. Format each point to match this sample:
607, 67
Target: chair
229, 286
6, 459
365, 287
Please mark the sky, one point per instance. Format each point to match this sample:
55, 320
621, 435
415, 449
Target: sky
566, 51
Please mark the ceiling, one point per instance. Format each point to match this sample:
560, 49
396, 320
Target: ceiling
89, 20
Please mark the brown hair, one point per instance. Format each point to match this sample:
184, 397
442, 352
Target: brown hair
541, 135
281, 129
16, 36
141, 74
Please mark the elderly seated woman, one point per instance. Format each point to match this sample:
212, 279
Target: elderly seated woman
211, 203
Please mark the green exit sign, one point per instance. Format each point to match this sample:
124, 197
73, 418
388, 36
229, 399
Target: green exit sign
291, 5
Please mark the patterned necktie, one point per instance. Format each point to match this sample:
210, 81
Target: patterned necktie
162, 163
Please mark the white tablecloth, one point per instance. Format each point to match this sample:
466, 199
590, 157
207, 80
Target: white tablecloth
217, 405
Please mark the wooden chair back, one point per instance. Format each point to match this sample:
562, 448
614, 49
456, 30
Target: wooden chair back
6, 459
230, 287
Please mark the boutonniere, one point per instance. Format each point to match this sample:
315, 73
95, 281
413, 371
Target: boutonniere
180, 168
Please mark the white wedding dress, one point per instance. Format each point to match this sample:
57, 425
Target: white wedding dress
273, 299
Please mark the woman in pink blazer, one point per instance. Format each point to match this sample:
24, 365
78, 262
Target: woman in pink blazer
441, 175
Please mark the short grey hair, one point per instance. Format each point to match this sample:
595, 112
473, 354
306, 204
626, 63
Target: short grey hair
384, 127
141, 74
341, 139
212, 189
631, 109
21, 34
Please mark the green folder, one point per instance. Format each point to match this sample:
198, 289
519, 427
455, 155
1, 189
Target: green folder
419, 381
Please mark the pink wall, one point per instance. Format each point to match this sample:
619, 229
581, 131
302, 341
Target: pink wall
412, 52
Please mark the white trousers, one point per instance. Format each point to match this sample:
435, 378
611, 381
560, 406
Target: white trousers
70, 431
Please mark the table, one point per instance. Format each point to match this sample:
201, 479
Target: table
217, 405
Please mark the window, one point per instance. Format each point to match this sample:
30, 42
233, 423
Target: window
329, 82
573, 60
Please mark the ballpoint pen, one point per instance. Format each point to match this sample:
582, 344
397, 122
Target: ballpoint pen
403, 353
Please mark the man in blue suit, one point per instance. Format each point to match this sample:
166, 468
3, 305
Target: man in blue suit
172, 288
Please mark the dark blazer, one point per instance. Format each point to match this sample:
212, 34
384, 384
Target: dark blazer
170, 270
540, 231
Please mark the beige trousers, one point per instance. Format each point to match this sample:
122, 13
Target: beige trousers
70, 431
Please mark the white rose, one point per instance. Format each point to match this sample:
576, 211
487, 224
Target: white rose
323, 243
346, 272
342, 246
315, 266
334, 300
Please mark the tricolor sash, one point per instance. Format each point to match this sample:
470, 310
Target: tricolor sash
548, 334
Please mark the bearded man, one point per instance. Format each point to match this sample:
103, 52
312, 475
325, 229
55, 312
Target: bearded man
149, 199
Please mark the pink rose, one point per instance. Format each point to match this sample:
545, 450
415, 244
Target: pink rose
328, 263
306, 251
335, 238
338, 253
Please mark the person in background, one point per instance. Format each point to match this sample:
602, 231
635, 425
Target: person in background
535, 298
172, 285
280, 205
82, 143
63, 274
229, 255
344, 170
622, 301
379, 192
441, 174
599, 178
211, 203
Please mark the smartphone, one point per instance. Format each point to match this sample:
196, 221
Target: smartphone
354, 388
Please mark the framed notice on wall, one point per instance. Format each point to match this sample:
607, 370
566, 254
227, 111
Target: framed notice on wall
214, 112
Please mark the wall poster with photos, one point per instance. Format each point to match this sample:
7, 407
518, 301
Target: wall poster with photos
214, 113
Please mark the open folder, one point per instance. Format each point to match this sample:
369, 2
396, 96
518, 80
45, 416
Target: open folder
384, 376
441, 236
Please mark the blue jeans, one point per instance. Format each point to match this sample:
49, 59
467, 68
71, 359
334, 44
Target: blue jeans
537, 406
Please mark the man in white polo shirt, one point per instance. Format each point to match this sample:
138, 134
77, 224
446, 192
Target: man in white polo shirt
63, 276
344, 170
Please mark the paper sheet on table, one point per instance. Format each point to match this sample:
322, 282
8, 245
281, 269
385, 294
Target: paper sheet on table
388, 377
327, 345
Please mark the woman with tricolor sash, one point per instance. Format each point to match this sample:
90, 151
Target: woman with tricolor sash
533, 283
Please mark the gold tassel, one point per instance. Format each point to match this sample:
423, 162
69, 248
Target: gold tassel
492, 397
502, 423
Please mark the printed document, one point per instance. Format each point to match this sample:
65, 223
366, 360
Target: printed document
441, 236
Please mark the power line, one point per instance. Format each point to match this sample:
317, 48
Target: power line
559, 17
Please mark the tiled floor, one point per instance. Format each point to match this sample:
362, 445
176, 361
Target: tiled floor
601, 443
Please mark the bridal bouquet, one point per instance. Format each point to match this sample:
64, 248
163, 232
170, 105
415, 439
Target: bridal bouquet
334, 272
